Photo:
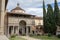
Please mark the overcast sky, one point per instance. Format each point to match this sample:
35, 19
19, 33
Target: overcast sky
33, 7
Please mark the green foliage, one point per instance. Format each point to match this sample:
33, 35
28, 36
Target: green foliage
51, 19
44, 16
13, 36
23, 34
46, 37
58, 36
38, 34
32, 35
17, 38
49, 34
56, 13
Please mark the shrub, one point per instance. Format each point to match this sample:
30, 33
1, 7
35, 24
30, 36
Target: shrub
49, 34
58, 35
23, 34
32, 35
38, 35
13, 36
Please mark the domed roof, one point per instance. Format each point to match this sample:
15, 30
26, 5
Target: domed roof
17, 8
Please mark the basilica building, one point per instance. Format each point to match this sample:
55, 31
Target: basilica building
21, 23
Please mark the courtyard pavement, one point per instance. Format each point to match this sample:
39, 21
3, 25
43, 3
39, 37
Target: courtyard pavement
3, 37
29, 38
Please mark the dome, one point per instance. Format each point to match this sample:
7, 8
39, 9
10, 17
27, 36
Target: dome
18, 9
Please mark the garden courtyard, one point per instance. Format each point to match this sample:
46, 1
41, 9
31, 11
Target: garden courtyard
46, 37
23, 38
35, 38
17, 38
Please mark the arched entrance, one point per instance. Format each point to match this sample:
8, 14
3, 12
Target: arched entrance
22, 27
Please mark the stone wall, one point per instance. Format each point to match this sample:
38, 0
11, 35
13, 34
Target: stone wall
16, 20
29, 21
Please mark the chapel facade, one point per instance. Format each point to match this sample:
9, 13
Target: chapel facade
20, 23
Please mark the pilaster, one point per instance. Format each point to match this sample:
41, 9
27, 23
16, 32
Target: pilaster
2, 14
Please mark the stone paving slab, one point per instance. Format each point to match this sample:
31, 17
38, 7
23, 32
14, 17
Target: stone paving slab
3, 37
29, 38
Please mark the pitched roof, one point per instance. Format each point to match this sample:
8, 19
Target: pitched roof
20, 13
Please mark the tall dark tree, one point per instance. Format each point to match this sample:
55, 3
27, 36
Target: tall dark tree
56, 12
50, 20
59, 19
44, 16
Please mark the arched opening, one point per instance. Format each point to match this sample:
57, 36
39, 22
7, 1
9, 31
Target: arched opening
22, 27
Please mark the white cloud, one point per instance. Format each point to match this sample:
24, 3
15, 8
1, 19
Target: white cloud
31, 6
35, 11
29, 3
50, 1
25, 3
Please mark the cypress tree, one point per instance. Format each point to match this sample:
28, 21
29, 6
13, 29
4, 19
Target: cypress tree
56, 12
44, 16
50, 20
59, 19
56, 15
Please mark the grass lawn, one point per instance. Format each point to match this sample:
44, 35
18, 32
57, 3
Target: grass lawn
46, 37
17, 38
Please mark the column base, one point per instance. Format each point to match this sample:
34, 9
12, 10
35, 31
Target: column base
3, 37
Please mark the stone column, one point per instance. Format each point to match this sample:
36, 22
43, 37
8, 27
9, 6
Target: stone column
2, 14
8, 31
26, 30
13, 30
18, 30
22, 30
30, 29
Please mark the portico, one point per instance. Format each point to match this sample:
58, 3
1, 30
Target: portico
22, 29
